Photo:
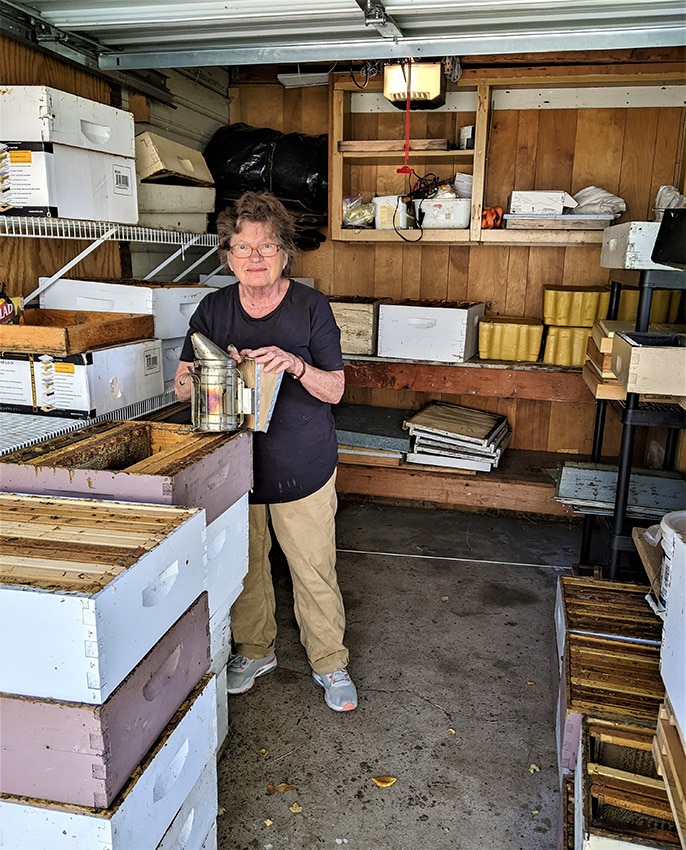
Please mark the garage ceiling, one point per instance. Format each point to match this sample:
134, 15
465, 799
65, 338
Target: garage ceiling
178, 34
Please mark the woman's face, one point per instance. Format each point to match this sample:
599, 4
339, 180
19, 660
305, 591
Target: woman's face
255, 270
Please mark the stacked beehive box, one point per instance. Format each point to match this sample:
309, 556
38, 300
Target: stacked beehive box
608, 644
152, 462
170, 306
109, 714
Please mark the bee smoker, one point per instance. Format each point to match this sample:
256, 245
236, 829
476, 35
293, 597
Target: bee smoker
219, 397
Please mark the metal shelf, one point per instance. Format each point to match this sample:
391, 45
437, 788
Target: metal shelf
67, 228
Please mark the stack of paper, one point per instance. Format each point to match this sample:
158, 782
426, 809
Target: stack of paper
459, 437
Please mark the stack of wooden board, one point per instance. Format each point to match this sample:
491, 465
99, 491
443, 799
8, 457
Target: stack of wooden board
370, 435
460, 437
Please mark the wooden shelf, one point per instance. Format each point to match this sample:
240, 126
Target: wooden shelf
480, 377
519, 484
369, 234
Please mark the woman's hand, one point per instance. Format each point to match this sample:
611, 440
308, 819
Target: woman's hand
183, 383
326, 386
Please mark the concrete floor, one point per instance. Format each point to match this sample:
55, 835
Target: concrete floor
451, 634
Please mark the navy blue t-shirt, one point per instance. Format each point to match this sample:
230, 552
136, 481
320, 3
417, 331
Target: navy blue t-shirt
298, 453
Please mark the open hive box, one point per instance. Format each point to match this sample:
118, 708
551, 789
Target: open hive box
155, 462
65, 332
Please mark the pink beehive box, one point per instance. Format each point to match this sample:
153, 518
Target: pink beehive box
154, 462
144, 809
83, 754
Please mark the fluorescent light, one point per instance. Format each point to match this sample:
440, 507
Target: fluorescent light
299, 81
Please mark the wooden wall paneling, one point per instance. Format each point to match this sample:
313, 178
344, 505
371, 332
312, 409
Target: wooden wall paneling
488, 276
388, 271
353, 276
599, 145
260, 106
532, 425
581, 267
502, 157
556, 149
306, 110
545, 267
635, 182
24, 66
668, 164
570, 427
528, 133
515, 294
458, 272
434, 272
411, 277
321, 265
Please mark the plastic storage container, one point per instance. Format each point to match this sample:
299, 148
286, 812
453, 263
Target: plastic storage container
391, 212
673, 528
443, 213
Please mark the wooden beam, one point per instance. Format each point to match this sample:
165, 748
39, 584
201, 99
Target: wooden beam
482, 379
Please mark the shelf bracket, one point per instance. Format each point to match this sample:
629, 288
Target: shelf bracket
171, 257
193, 265
58, 274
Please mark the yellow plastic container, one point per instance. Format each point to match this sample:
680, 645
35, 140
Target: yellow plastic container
566, 346
510, 338
664, 306
574, 306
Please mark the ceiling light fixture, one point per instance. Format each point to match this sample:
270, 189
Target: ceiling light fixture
420, 83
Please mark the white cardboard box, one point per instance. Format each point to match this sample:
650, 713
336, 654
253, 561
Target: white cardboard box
147, 805
672, 668
172, 304
629, 246
68, 156
168, 198
78, 646
650, 362
540, 203
171, 353
82, 386
158, 158
413, 331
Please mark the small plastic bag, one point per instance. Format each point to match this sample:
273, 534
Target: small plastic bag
356, 213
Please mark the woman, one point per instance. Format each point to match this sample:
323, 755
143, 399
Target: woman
287, 327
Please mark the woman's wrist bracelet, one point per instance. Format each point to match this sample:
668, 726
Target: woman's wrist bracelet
298, 377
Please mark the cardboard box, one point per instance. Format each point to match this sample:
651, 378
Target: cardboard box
158, 158
416, 330
358, 319
63, 332
68, 156
81, 386
650, 362
629, 246
171, 304
540, 203
168, 198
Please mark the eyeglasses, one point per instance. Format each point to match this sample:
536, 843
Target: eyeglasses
242, 251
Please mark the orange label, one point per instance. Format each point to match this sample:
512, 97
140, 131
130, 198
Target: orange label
20, 156
65, 368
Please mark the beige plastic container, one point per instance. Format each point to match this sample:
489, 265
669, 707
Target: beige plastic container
390, 213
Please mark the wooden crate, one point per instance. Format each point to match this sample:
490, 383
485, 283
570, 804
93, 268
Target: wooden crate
670, 758
358, 319
619, 797
65, 332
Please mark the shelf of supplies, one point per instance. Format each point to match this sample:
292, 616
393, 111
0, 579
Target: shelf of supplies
67, 228
374, 156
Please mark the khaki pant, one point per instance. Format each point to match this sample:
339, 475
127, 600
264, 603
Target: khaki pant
306, 533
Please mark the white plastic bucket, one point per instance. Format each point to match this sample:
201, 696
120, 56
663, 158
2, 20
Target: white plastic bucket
391, 212
673, 528
443, 213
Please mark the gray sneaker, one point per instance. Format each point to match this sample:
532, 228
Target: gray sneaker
241, 672
339, 692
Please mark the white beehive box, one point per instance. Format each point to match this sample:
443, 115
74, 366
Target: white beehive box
197, 816
87, 571
68, 156
629, 246
168, 198
84, 385
171, 304
423, 331
650, 362
227, 553
146, 806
